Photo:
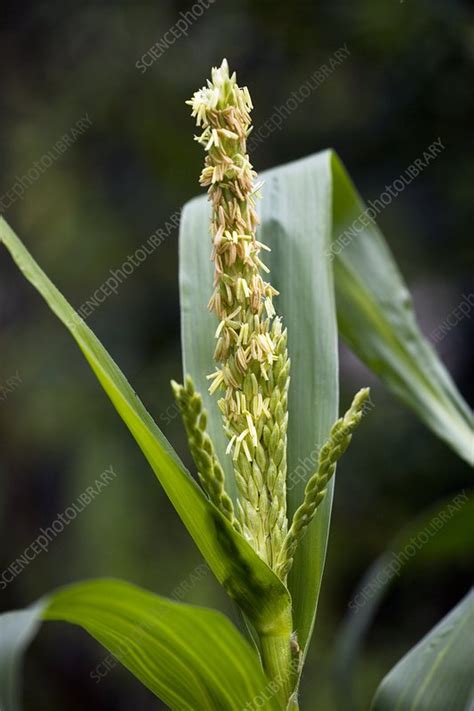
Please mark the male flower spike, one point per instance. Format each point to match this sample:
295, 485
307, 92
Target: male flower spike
252, 372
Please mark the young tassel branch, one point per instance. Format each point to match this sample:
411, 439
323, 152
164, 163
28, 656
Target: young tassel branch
252, 371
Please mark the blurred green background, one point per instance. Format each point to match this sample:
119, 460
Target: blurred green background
407, 81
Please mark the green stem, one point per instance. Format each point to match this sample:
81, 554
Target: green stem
278, 660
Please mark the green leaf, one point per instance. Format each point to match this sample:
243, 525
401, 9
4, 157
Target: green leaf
295, 224
376, 318
437, 674
442, 533
17, 630
192, 658
245, 576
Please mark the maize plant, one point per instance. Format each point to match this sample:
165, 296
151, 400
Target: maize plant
259, 403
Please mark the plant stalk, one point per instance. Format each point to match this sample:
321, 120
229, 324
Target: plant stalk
279, 661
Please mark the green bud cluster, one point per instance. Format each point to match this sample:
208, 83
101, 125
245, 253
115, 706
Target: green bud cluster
210, 472
316, 488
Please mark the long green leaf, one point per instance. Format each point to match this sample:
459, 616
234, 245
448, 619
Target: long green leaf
17, 630
191, 658
444, 532
437, 674
376, 318
245, 576
295, 224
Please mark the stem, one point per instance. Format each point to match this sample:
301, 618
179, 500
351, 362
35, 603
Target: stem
278, 660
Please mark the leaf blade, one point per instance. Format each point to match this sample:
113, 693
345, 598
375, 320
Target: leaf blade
244, 575
296, 223
17, 631
376, 318
454, 541
437, 673
190, 657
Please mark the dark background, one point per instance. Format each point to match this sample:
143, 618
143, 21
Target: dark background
407, 81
